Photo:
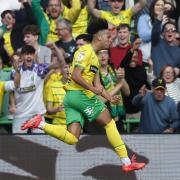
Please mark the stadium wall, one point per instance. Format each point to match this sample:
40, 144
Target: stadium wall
41, 157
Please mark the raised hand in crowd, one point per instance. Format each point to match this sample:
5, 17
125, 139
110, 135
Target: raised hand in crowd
143, 90
8, 20
177, 71
150, 65
120, 72
165, 19
136, 44
59, 52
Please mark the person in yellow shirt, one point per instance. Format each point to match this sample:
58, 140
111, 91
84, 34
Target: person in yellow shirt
81, 99
80, 25
54, 11
11, 38
55, 95
116, 16
53, 76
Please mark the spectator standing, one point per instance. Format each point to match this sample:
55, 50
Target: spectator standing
54, 11
145, 21
168, 73
135, 76
164, 50
29, 95
9, 5
31, 35
114, 82
116, 15
158, 111
119, 52
66, 42
11, 31
80, 25
55, 96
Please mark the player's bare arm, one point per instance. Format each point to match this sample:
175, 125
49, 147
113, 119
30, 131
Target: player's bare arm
77, 77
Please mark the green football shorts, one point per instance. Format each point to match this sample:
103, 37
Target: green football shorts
79, 106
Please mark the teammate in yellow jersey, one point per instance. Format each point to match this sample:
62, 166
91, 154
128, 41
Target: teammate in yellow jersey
81, 99
116, 16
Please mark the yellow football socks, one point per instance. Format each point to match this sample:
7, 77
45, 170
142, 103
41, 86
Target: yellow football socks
61, 133
115, 139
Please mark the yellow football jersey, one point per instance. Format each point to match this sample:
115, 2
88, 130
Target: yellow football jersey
55, 95
7, 43
69, 14
52, 35
85, 58
80, 25
53, 77
123, 17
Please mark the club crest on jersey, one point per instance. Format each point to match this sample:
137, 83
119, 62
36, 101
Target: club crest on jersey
80, 56
93, 69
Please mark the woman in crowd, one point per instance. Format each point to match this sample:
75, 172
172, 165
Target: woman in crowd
114, 83
168, 73
144, 27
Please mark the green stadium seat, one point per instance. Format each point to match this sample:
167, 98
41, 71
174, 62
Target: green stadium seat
128, 122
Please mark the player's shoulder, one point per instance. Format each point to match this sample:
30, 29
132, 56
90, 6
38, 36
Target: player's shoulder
84, 51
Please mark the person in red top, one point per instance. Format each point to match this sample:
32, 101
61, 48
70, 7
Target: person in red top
118, 53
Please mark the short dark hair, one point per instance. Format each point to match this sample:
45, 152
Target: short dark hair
169, 22
31, 29
95, 25
85, 37
3, 14
123, 26
27, 49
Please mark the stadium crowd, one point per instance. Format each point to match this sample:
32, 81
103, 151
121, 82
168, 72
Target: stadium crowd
39, 40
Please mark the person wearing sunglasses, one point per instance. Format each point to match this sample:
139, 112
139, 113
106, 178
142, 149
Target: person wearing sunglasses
164, 47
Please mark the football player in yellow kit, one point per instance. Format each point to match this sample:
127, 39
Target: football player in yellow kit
81, 99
